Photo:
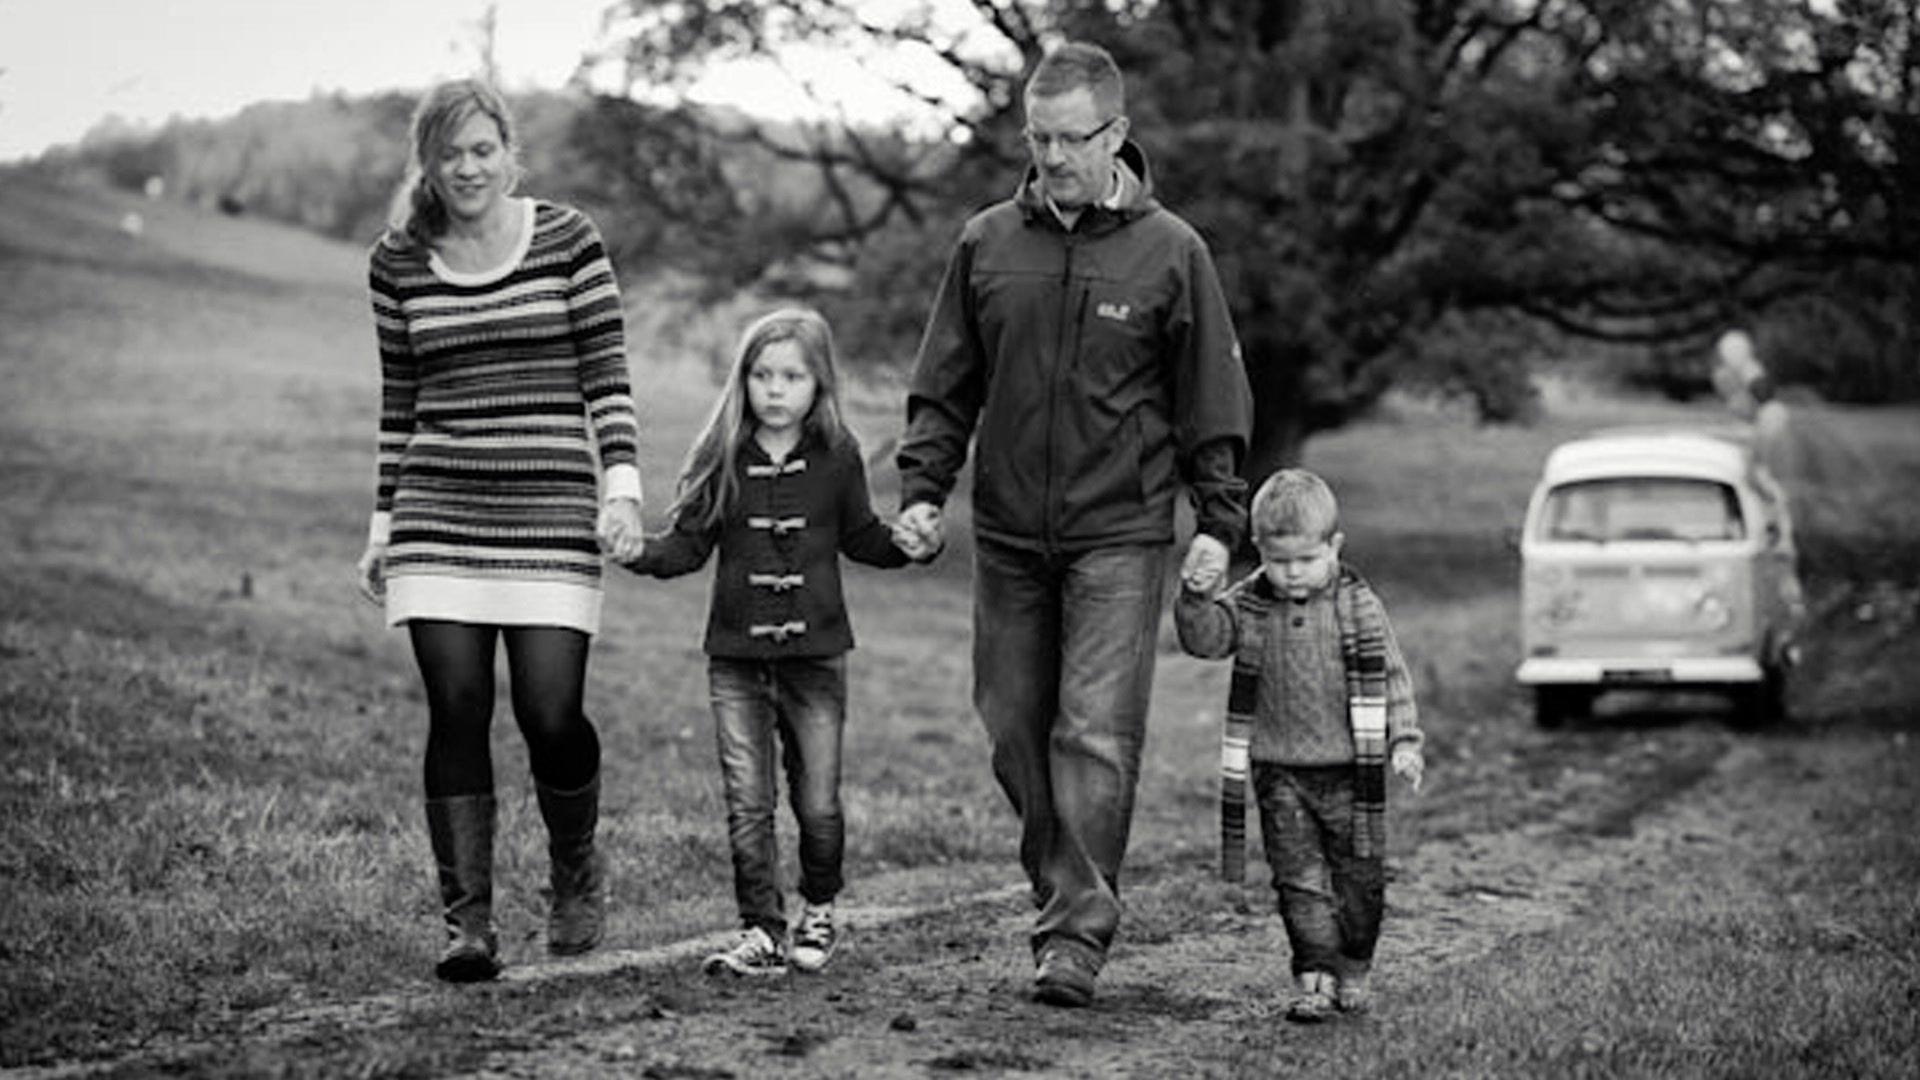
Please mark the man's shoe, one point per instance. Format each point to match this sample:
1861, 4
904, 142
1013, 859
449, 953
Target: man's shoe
814, 939
756, 953
469, 956
1063, 977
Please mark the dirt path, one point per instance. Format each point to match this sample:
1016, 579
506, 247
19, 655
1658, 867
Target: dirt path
940, 988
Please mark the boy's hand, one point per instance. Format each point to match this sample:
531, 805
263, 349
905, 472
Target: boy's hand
1409, 764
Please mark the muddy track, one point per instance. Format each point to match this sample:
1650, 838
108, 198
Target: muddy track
938, 986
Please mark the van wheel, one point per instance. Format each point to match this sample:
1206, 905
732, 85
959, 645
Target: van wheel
1555, 705
1763, 704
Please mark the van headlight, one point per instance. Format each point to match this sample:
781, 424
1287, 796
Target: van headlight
1711, 610
1558, 608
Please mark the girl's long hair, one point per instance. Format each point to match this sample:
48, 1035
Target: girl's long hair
708, 485
417, 217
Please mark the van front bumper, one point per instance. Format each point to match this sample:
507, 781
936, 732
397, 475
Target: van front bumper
1637, 670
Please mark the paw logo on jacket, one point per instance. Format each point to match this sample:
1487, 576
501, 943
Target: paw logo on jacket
1107, 309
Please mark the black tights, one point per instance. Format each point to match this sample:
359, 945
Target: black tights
547, 666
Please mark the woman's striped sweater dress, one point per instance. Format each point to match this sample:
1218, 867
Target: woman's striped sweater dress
491, 382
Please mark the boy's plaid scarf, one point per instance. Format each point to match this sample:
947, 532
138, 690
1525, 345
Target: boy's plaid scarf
1363, 648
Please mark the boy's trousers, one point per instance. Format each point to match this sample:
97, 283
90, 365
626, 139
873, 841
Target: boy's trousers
1330, 898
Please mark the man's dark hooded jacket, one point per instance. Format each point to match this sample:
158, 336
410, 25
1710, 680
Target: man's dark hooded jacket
1097, 367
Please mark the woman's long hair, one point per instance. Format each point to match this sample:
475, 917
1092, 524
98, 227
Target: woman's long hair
417, 216
708, 485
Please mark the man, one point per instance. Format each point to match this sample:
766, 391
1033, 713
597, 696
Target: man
1081, 338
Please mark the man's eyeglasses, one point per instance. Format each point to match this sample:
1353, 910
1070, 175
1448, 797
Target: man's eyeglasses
1042, 141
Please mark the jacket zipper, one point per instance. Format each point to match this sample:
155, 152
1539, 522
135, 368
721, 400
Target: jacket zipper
1060, 362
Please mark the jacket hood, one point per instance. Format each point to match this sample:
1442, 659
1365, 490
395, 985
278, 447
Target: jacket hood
1136, 190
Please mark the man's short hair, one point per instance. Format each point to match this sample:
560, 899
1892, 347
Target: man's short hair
1076, 64
1295, 502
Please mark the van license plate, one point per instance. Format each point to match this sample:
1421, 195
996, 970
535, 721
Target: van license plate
1636, 675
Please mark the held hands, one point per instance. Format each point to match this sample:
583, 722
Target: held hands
371, 573
1410, 765
1205, 566
919, 532
620, 529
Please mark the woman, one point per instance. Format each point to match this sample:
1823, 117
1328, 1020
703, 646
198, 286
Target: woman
503, 365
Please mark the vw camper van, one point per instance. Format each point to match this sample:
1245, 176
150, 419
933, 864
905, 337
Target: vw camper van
1657, 559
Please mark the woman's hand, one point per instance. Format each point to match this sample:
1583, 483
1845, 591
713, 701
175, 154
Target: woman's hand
620, 529
372, 573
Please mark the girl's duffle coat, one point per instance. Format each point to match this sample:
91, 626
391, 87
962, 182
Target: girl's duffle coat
776, 588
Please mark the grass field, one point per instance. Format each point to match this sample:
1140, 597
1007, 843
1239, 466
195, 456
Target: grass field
210, 758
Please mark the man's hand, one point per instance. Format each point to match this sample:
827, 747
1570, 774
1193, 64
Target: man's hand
1205, 565
1409, 764
919, 532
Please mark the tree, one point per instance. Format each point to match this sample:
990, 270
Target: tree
1397, 190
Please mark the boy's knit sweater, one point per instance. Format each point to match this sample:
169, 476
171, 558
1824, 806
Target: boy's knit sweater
1301, 714
776, 589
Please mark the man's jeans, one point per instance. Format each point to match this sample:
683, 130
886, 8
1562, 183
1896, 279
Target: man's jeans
1330, 898
1063, 654
804, 702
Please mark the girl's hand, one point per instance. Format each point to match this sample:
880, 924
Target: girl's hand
920, 532
912, 544
1408, 763
371, 572
620, 531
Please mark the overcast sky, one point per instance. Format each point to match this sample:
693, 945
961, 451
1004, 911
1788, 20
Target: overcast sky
65, 64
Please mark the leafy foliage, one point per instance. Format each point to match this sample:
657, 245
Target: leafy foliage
1435, 193
1427, 190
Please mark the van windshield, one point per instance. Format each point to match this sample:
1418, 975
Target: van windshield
1642, 508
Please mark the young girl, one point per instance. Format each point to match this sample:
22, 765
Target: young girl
777, 483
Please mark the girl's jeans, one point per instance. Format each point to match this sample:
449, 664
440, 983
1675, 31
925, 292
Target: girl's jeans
1063, 653
1330, 898
803, 702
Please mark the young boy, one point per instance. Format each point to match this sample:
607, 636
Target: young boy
1324, 693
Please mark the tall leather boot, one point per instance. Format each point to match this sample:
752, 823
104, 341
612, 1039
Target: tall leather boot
461, 829
578, 916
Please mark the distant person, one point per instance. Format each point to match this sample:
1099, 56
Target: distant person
1743, 383
503, 364
777, 483
1737, 374
1081, 342
1321, 702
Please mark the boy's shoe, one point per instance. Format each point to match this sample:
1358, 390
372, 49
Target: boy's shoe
1351, 994
814, 938
1314, 1002
1064, 977
756, 953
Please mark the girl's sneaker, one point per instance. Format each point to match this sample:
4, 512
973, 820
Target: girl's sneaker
1314, 1002
756, 953
1352, 995
814, 939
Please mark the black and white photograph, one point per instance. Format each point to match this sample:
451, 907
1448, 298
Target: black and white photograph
736, 539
